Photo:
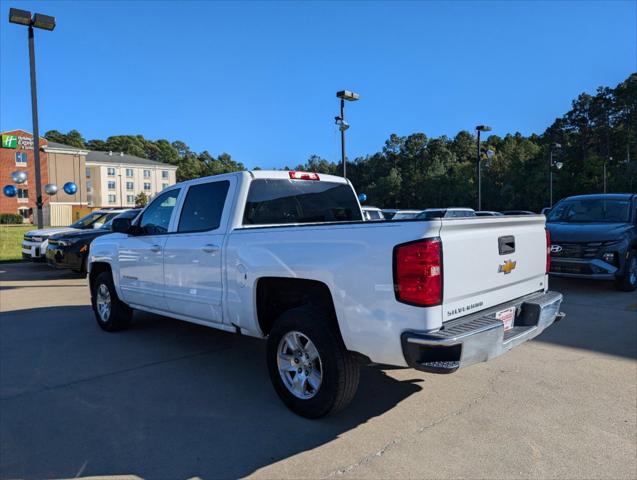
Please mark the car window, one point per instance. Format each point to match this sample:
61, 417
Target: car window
90, 220
127, 214
590, 210
203, 207
275, 201
156, 217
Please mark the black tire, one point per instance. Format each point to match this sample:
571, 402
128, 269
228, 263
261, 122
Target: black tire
339, 369
627, 281
119, 314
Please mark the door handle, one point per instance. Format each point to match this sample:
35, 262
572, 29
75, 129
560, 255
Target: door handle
210, 248
155, 248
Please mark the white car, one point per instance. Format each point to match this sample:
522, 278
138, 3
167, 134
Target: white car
372, 214
405, 214
35, 242
287, 256
453, 212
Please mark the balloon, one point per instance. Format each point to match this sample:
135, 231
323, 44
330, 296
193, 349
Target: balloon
70, 188
10, 191
362, 197
51, 188
19, 176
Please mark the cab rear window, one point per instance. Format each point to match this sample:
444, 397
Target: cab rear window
276, 201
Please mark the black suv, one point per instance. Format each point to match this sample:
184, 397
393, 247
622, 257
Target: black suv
595, 236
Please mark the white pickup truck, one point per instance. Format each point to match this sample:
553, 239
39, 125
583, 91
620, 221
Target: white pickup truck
287, 256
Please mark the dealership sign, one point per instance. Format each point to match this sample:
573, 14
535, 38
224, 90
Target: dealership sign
15, 141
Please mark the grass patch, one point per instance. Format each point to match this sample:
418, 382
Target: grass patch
11, 241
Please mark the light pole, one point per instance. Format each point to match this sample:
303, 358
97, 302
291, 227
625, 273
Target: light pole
480, 128
554, 148
45, 22
609, 159
342, 124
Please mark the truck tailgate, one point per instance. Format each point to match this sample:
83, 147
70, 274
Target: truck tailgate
489, 261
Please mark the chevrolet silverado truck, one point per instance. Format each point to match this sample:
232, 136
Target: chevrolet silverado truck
287, 256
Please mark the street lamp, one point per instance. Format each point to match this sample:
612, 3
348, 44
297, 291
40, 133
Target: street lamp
44, 22
555, 148
342, 124
480, 128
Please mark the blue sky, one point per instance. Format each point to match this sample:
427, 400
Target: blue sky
258, 79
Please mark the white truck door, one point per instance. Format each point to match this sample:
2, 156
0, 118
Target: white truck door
193, 254
141, 256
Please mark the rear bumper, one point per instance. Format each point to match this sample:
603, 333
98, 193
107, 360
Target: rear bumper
480, 337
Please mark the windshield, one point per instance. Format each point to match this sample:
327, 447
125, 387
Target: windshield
91, 219
591, 210
127, 214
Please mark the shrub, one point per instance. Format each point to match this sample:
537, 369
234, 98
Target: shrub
10, 218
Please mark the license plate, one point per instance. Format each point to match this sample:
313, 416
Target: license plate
506, 317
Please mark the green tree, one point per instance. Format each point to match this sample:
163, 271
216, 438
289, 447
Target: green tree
141, 200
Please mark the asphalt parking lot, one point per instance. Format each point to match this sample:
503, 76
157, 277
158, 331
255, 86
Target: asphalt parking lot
167, 399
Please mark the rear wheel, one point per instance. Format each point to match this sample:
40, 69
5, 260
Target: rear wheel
628, 280
309, 366
110, 312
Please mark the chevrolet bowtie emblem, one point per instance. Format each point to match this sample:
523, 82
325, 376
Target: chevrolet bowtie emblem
507, 267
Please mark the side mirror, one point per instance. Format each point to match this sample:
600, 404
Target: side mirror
121, 225
362, 197
97, 225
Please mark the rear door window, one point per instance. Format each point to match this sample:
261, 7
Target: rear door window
276, 201
203, 207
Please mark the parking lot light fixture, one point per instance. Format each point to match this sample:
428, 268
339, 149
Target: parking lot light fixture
480, 128
342, 124
44, 22
21, 17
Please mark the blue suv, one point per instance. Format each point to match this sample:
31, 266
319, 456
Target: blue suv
595, 236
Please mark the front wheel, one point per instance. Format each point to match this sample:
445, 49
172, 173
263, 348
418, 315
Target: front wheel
310, 368
110, 312
627, 282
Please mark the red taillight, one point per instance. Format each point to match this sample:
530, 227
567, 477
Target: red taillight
303, 176
418, 272
548, 251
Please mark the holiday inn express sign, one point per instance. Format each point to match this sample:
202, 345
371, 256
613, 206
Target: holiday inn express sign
15, 141
9, 141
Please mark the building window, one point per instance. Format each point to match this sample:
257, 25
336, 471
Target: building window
146, 173
24, 212
21, 158
110, 171
130, 198
164, 186
111, 185
112, 198
130, 186
88, 172
146, 186
23, 195
129, 172
164, 174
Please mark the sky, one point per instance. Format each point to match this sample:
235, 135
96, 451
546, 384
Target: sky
258, 80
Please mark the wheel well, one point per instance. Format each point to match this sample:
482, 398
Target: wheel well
276, 295
96, 269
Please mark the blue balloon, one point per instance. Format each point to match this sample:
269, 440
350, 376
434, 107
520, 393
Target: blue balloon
362, 197
70, 188
10, 191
